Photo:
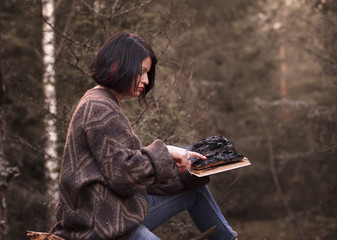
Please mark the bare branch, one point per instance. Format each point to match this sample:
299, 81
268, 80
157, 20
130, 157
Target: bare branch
114, 7
115, 11
36, 148
132, 9
164, 49
140, 116
66, 37
88, 6
76, 60
316, 54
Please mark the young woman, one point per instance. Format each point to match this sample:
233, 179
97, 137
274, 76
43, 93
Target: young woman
111, 187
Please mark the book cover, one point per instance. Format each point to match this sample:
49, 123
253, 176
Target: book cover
221, 168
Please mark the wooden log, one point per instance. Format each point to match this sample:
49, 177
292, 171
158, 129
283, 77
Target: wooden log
42, 236
48, 236
206, 234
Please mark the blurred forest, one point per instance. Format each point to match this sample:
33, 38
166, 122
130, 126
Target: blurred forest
260, 72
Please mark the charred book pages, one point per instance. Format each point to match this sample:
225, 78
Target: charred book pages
218, 151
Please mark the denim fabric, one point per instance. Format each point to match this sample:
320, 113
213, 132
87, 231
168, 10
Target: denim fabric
200, 205
142, 233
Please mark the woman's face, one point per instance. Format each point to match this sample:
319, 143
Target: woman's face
143, 79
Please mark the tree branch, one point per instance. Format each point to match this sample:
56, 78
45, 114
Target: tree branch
66, 37
206, 234
316, 54
131, 9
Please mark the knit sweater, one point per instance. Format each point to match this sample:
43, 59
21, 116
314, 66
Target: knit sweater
106, 173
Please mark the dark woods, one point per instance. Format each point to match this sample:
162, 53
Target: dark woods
259, 72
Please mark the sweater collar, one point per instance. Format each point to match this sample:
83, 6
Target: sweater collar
101, 88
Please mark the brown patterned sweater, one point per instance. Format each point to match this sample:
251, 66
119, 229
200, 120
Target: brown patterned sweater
106, 173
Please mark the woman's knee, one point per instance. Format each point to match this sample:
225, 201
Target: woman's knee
142, 232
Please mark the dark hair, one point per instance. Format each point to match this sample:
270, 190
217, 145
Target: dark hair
119, 62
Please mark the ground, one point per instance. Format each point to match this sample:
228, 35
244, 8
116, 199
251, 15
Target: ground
314, 228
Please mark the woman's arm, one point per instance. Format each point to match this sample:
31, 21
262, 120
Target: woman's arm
126, 167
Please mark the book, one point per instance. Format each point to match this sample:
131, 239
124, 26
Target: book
220, 168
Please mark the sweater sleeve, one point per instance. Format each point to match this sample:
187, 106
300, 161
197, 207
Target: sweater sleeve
179, 182
126, 167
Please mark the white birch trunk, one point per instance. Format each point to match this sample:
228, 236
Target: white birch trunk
96, 6
48, 47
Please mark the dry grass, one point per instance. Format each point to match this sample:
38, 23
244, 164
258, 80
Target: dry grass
315, 228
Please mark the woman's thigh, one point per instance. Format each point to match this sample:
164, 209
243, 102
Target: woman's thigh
199, 203
163, 207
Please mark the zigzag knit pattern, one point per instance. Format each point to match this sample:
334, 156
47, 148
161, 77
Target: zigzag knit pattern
105, 172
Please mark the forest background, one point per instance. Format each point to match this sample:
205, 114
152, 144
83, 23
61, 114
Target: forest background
260, 72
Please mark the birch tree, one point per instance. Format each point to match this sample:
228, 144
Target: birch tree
48, 41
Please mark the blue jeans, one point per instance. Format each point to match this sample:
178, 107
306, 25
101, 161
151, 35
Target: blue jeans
201, 207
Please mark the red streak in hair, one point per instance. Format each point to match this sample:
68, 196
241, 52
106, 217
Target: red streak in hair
113, 70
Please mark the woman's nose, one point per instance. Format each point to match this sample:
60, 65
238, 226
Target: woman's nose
145, 79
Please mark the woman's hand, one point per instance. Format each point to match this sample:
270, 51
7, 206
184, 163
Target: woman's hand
181, 157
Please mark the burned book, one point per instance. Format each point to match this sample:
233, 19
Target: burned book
220, 152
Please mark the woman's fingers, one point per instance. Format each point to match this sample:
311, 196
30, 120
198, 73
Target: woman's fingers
189, 163
195, 154
186, 162
182, 162
185, 167
181, 157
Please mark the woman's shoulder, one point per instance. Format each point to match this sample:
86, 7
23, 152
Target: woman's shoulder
96, 99
100, 96
99, 105
96, 103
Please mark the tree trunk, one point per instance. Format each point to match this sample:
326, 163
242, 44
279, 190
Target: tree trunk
3, 182
285, 111
283, 67
48, 40
6, 173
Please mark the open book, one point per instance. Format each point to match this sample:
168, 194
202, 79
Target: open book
220, 168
